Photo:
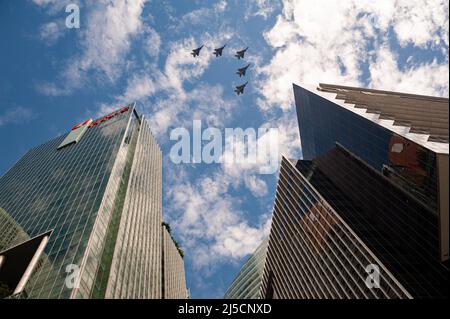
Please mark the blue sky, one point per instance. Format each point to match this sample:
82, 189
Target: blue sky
52, 77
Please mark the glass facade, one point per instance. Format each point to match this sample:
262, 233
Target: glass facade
101, 196
322, 123
173, 269
136, 262
369, 191
313, 253
247, 283
404, 136
62, 190
12, 232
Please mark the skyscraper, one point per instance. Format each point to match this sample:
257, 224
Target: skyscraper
247, 284
368, 201
173, 269
99, 190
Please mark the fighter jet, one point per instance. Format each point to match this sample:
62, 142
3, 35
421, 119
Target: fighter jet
240, 88
218, 52
240, 54
196, 52
241, 71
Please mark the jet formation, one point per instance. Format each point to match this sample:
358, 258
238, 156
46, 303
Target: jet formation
239, 55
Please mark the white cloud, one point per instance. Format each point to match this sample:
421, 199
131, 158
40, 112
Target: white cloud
43, 3
256, 185
105, 40
180, 66
51, 89
16, 115
51, 32
202, 16
152, 42
308, 54
138, 87
284, 142
54, 6
330, 41
288, 134
427, 78
421, 22
205, 101
107, 37
263, 8
210, 223
197, 16
221, 6
209, 220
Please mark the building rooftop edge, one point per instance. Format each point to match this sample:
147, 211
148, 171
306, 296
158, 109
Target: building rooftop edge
421, 139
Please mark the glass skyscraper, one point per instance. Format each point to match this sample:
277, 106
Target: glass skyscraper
99, 190
369, 199
247, 284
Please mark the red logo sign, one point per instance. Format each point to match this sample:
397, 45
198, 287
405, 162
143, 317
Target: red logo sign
105, 118
80, 125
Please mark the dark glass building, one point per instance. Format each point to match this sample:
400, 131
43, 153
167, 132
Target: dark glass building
371, 191
98, 189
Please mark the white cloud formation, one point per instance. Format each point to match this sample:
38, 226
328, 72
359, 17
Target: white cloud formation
281, 137
138, 87
152, 42
421, 22
51, 89
330, 41
107, 37
105, 40
204, 102
426, 78
262, 8
210, 223
50, 32
256, 185
180, 66
54, 6
288, 135
202, 16
16, 115
207, 216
